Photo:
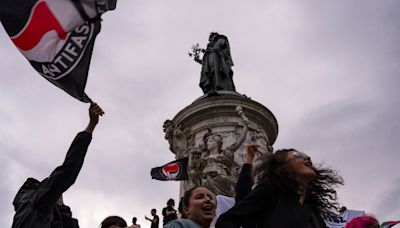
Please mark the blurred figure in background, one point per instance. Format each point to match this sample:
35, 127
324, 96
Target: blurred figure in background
168, 212
134, 225
155, 221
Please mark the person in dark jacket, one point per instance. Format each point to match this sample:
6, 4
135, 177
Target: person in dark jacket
169, 212
290, 192
39, 204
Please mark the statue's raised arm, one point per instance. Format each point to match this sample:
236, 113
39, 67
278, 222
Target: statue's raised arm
219, 163
244, 131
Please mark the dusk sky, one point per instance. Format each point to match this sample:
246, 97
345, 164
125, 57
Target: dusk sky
328, 70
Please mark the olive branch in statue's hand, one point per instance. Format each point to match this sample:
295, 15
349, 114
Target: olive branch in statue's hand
196, 51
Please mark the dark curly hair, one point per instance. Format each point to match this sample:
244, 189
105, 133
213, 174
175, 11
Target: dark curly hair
321, 192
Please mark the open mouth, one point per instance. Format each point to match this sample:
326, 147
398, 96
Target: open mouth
208, 208
308, 164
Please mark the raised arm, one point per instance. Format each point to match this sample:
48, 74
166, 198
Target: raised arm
239, 142
94, 112
65, 175
245, 180
245, 129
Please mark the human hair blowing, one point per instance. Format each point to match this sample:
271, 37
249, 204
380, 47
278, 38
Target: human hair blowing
321, 192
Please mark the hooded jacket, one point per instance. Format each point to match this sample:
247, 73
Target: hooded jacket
35, 203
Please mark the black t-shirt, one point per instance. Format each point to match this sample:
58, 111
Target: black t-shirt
155, 225
169, 214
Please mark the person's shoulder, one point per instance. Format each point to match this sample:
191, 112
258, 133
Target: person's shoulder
181, 223
173, 224
267, 185
133, 226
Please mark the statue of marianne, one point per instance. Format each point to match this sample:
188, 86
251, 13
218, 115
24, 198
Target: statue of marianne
218, 164
216, 72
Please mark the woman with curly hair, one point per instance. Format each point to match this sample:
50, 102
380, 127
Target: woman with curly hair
290, 192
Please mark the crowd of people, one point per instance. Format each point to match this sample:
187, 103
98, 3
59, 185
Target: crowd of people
284, 190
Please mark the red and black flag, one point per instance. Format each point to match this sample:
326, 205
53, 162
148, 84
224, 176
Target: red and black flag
176, 170
57, 37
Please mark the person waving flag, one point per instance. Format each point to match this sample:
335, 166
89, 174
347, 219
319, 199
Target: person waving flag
57, 37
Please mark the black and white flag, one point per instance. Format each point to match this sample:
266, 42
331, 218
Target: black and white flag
175, 170
57, 37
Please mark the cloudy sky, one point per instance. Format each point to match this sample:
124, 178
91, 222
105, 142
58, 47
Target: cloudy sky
328, 70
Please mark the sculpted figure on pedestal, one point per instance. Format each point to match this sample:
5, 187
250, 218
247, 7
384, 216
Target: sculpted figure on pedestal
216, 71
215, 168
180, 141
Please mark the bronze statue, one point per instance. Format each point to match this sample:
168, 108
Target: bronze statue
216, 72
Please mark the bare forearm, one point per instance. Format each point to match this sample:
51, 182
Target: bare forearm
90, 127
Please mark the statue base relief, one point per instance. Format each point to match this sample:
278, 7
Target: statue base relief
213, 132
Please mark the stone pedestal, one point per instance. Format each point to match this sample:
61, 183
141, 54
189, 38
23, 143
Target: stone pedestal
187, 132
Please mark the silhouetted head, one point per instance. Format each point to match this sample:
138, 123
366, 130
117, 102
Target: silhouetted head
113, 222
171, 202
153, 211
23, 194
134, 220
213, 36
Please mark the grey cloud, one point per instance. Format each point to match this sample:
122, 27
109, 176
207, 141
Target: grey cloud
389, 206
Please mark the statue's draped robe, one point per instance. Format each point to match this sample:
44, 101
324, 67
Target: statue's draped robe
216, 73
